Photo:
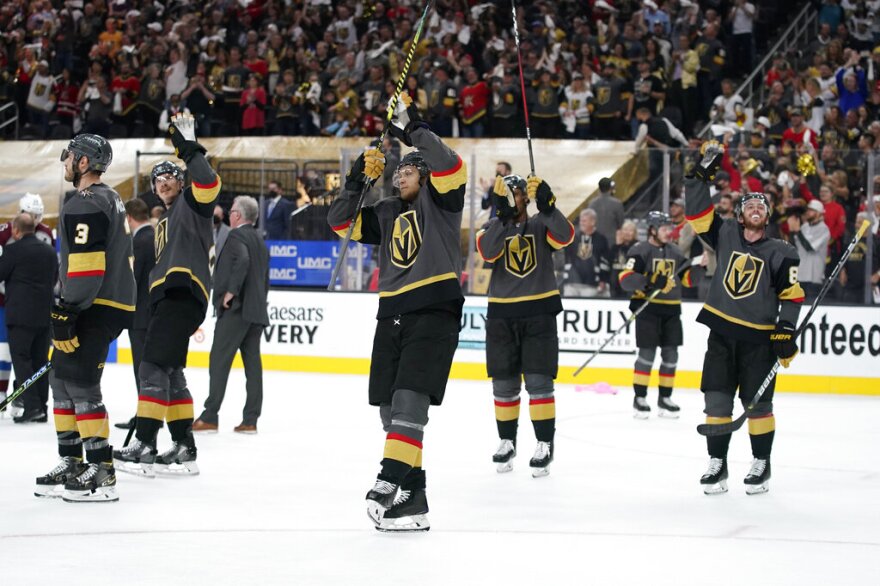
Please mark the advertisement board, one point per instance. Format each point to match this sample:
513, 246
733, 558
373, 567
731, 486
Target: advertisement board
308, 263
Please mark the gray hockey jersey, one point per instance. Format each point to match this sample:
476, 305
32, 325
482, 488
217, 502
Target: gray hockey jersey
96, 253
755, 284
184, 237
523, 282
419, 241
643, 261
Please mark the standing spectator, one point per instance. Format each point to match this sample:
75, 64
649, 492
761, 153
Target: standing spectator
727, 108
278, 210
29, 269
234, 78
442, 101
543, 102
810, 237
253, 107
175, 74
283, 100
742, 15
505, 121
649, 91
66, 92
712, 59
613, 98
609, 210
126, 88
474, 104
587, 261
152, 100
686, 63
241, 286
97, 103
574, 109
175, 106
623, 240
142, 234
199, 100
851, 84
799, 133
835, 219
41, 100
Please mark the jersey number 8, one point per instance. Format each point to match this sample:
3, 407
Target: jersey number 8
792, 275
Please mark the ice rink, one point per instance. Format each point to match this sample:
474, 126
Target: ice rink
622, 504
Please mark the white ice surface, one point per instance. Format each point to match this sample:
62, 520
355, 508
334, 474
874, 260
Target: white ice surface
622, 504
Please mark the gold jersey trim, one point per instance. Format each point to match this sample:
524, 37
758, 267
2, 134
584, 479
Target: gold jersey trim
736, 320
524, 297
158, 282
114, 304
417, 284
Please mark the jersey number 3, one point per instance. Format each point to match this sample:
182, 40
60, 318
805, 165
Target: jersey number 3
82, 234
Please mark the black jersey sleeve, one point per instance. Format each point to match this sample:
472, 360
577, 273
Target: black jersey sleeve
700, 212
788, 288
446, 184
366, 226
87, 233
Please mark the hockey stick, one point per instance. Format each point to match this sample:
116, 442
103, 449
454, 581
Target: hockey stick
392, 105
522, 85
713, 429
26, 385
628, 321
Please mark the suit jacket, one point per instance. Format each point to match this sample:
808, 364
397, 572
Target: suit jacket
243, 270
278, 220
144, 260
29, 267
221, 233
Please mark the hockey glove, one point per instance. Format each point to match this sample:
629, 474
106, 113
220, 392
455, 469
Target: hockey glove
659, 281
505, 204
183, 137
64, 329
356, 177
706, 169
405, 120
542, 194
784, 344
374, 163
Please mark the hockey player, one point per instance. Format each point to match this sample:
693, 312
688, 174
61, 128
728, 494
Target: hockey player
179, 285
96, 304
31, 203
751, 309
651, 265
521, 341
420, 300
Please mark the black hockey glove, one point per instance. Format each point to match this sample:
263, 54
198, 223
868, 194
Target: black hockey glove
707, 168
406, 119
542, 194
659, 281
64, 328
183, 137
784, 343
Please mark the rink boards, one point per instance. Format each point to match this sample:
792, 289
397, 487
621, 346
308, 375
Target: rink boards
333, 333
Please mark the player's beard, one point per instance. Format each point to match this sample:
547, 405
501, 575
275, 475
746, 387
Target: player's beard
751, 222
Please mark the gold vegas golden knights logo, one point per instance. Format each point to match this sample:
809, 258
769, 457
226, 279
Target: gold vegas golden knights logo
664, 266
161, 238
742, 275
406, 240
603, 94
519, 255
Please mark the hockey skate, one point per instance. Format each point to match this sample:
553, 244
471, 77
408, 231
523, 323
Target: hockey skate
380, 498
666, 408
408, 513
16, 408
97, 484
136, 458
504, 456
757, 481
641, 409
179, 460
51, 485
714, 481
540, 462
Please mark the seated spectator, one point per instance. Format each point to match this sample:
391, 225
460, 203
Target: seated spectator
587, 261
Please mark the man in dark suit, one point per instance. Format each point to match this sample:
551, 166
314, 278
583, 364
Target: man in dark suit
137, 213
241, 285
278, 210
29, 268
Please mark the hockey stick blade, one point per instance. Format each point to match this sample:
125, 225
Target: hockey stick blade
713, 429
26, 385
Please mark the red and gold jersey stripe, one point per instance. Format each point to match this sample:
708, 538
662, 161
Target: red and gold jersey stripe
624, 274
686, 279
208, 192
795, 294
342, 229
702, 221
557, 244
86, 264
450, 179
480, 248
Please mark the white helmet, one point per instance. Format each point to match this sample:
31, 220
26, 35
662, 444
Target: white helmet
31, 203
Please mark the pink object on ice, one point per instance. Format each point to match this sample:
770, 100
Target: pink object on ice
600, 388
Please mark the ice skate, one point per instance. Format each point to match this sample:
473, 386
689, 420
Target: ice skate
504, 456
380, 498
180, 460
408, 513
757, 481
16, 408
540, 462
97, 484
714, 481
666, 408
641, 409
51, 485
136, 458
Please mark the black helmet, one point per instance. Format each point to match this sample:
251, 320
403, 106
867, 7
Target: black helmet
657, 219
515, 182
416, 160
738, 210
165, 168
95, 147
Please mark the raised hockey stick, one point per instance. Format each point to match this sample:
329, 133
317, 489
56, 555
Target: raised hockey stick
713, 429
628, 321
26, 385
392, 104
522, 85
